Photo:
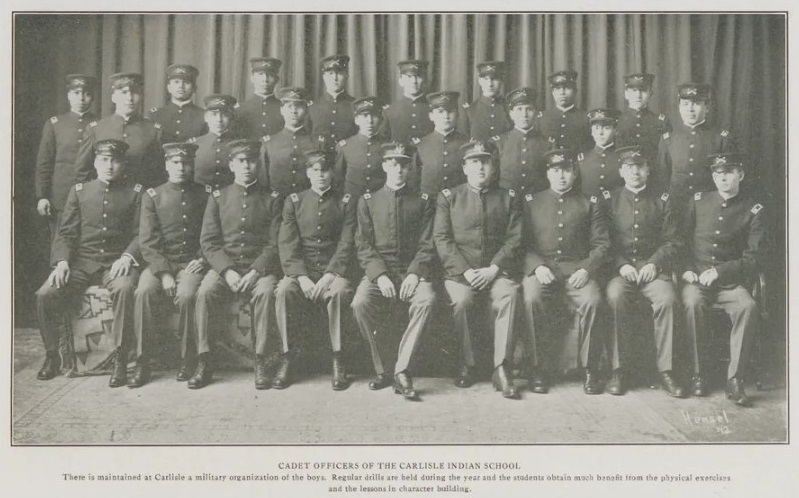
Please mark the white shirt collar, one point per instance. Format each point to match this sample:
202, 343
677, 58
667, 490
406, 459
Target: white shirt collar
264, 96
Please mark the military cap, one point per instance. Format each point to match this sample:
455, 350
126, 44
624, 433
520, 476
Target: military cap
560, 158
184, 149
521, 96
219, 101
318, 156
632, 154
81, 81
603, 115
694, 91
293, 94
446, 99
397, 150
251, 148
183, 71
495, 69
110, 147
414, 66
367, 105
122, 80
723, 160
476, 148
340, 63
266, 64
639, 80
563, 78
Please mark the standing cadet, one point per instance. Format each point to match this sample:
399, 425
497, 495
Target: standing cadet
521, 150
487, 116
643, 234
239, 241
98, 243
259, 115
726, 233
61, 137
395, 249
144, 154
282, 154
478, 233
358, 158
565, 125
438, 153
317, 250
567, 242
408, 117
598, 173
638, 125
332, 116
682, 152
211, 163
180, 119
169, 236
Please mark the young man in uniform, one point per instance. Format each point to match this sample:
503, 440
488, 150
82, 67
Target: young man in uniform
180, 119
438, 163
598, 173
487, 116
408, 117
259, 116
638, 125
565, 125
358, 158
211, 161
331, 116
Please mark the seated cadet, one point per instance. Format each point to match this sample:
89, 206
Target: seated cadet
638, 125
521, 150
169, 236
643, 234
98, 243
180, 119
598, 173
282, 154
726, 234
395, 248
438, 153
565, 125
477, 232
239, 241
211, 160
317, 250
567, 243
408, 117
487, 116
358, 157
331, 116
259, 116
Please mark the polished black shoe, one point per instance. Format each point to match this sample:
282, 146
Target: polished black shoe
340, 380
670, 385
202, 375
262, 380
591, 384
282, 378
403, 385
615, 385
186, 370
465, 378
119, 376
698, 386
538, 382
50, 367
736, 393
503, 381
141, 373
382, 381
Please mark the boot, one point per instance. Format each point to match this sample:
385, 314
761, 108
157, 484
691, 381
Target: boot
736, 393
381, 381
538, 382
282, 378
262, 380
698, 386
465, 377
591, 384
503, 381
50, 367
202, 376
186, 370
670, 385
403, 384
141, 373
340, 381
615, 385
119, 376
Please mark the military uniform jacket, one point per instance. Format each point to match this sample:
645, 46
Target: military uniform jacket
726, 235
395, 233
522, 166
240, 228
55, 163
211, 160
682, 157
406, 119
565, 232
258, 117
569, 129
359, 164
475, 229
438, 162
332, 117
643, 230
179, 123
599, 171
317, 235
145, 156
100, 222
283, 160
171, 220
484, 118
642, 127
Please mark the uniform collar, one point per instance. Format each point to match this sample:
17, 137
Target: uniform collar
133, 118
264, 97
223, 136
179, 186
564, 109
642, 110
610, 146
335, 98
399, 191
180, 104
370, 137
414, 99
524, 132
492, 100
247, 187
477, 191
321, 194
447, 135
564, 194
697, 125
295, 130
80, 115
729, 199
635, 192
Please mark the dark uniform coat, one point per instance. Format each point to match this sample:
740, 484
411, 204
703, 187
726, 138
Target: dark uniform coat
258, 117
484, 118
522, 166
179, 123
566, 129
406, 119
642, 127
438, 162
283, 160
599, 171
211, 161
359, 164
332, 117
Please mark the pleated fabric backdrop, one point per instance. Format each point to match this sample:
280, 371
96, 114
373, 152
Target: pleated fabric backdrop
741, 55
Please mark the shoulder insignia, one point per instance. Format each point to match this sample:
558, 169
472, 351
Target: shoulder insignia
697, 196
92, 124
606, 194
267, 138
367, 196
540, 114
664, 197
512, 192
385, 107
465, 105
157, 126
551, 139
342, 143
662, 117
137, 187
295, 197
236, 106
756, 208
154, 109
78, 187
54, 120
216, 193
528, 197
275, 193
208, 189
446, 192
152, 192
425, 196
724, 133
496, 138
666, 136
346, 198
580, 156
320, 139
416, 140
192, 140
310, 103
593, 199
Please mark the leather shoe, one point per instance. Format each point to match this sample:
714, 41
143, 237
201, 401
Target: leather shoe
591, 384
538, 383
262, 380
50, 367
282, 378
698, 386
119, 376
141, 373
403, 384
736, 393
185, 371
670, 385
615, 385
465, 378
382, 381
340, 380
503, 381
202, 376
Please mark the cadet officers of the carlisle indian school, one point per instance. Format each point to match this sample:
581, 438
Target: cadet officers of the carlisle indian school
487, 116
396, 251
478, 233
331, 115
638, 125
438, 153
211, 161
565, 125
260, 116
61, 137
180, 118
359, 158
408, 116
169, 237
598, 171
239, 241
97, 243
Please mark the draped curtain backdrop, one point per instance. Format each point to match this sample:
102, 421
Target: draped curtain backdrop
741, 55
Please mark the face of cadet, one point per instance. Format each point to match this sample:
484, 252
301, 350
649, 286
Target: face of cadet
126, 100
603, 133
728, 181
443, 119
522, 116
263, 82
490, 86
180, 169
218, 121
180, 89
637, 98
293, 113
564, 95
79, 100
368, 123
243, 168
562, 178
692, 111
411, 84
635, 175
479, 171
397, 171
109, 168
321, 178
335, 81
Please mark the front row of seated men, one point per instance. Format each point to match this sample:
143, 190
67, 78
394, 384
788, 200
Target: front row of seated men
491, 247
